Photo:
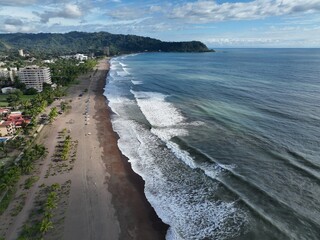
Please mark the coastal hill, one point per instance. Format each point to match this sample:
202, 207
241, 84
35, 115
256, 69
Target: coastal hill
73, 42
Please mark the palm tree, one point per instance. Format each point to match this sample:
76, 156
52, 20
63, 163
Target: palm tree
10, 177
48, 214
45, 226
26, 166
51, 201
25, 103
55, 186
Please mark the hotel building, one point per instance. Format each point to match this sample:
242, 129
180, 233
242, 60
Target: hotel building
34, 77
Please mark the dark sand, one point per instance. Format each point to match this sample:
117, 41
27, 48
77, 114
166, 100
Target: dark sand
136, 216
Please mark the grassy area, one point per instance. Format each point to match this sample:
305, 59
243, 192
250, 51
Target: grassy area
27, 97
3, 99
3, 104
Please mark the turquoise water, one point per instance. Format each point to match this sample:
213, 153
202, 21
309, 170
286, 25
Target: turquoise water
227, 142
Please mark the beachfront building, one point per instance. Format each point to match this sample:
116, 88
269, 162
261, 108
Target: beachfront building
80, 57
34, 77
17, 119
7, 128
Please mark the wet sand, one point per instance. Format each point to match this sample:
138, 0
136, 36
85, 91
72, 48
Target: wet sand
137, 219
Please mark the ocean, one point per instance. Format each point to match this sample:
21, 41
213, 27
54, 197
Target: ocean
228, 143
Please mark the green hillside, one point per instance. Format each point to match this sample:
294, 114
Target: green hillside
73, 42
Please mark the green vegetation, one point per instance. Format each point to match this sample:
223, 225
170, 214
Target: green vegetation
64, 106
66, 148
30, 181
10, 149
54, 44
53, 114
43, 223
31, 104
10, 174
29, 156
66, 71
7, 198
32, 108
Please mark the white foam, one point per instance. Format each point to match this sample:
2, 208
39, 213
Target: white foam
165, 134
157, 111
122, 73
181, 154
180, 195
136, 82
122, 64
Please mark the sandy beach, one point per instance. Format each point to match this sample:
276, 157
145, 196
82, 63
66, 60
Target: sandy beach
135, 214
105, 198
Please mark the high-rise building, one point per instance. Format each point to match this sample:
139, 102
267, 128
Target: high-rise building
21, 52
34, 77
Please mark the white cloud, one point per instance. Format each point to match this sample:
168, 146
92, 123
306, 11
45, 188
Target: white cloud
14, 28
70, 11
211, 11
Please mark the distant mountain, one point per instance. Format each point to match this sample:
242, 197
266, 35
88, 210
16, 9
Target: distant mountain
73, 42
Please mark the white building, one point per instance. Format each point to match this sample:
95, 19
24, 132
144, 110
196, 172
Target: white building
80, 57
48, 61
13, 73
7, 90
4, 73
34, 77
21, 52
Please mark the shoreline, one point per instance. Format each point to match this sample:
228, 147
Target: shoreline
137, 218
104, 197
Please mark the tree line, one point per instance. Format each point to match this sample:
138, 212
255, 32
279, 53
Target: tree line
55, 44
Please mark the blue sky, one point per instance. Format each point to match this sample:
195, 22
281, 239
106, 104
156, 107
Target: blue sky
220, 23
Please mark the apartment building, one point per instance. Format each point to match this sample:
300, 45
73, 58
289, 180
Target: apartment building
34, 77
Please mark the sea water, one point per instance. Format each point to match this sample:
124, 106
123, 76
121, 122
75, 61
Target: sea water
228, 143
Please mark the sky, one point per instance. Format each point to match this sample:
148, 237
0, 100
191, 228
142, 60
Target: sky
220, 23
